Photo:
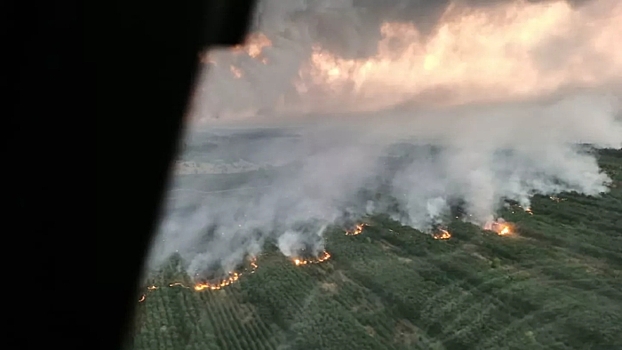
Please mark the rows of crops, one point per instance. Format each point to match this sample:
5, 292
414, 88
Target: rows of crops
555, 284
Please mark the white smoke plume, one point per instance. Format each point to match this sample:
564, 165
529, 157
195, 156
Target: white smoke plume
394, 113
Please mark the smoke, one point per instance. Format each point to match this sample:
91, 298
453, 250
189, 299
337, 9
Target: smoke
394, 114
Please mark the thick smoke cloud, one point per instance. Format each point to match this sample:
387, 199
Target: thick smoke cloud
413, 161
351, 28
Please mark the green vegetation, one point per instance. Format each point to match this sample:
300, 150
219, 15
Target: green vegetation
555, 284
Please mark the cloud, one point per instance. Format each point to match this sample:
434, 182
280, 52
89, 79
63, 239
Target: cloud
394, 132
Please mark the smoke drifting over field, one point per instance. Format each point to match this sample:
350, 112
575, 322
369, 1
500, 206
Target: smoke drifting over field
485, 103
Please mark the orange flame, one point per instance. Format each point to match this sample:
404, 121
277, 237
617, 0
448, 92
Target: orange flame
231, 278
357, 230
442, 235
505, 230
321, 258
254, 266
501, 228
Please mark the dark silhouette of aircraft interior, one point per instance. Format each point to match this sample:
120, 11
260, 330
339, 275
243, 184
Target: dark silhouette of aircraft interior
145, 74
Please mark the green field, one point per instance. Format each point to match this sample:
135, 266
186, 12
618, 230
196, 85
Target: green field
555, 284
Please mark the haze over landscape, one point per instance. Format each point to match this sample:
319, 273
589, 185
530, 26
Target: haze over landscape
474, 85
432, 119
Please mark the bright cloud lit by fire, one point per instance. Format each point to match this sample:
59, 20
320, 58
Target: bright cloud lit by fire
501, 52
483, 54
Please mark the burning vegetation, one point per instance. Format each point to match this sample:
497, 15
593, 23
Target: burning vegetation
442, 234
356, 230
306, 260
210, 283
257, 311
215, 283
500, 227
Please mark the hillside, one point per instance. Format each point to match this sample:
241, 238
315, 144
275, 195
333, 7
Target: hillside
554, 283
